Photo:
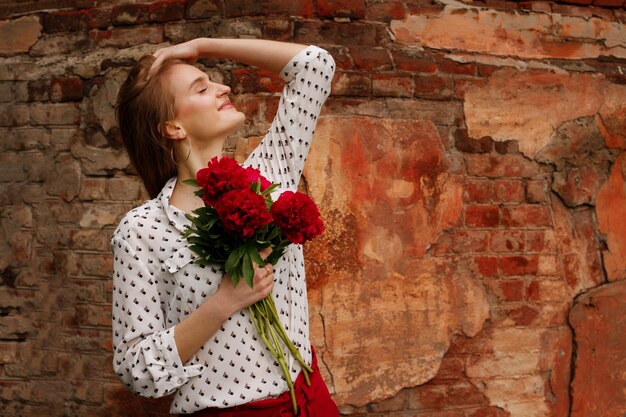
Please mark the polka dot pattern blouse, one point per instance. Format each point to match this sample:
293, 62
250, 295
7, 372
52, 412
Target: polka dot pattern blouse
156, 284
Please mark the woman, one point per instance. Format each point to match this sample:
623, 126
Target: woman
179, 327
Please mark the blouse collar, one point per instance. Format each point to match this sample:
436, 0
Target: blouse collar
175, 215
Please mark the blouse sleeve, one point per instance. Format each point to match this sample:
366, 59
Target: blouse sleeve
283, 151
145, 356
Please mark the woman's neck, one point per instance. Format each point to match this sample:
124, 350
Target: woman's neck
198, 158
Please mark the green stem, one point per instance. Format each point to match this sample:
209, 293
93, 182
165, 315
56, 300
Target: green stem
292, 348
283, 366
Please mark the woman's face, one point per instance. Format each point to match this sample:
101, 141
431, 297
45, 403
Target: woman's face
201, 106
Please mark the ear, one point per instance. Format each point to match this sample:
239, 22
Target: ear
172, 130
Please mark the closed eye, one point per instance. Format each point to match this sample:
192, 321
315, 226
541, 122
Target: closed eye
202, 90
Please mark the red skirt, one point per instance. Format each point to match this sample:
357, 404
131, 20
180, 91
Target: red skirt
313, 401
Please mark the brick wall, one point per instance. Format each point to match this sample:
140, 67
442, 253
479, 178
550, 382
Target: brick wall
488, 261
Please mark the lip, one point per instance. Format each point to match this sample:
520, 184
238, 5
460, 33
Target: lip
225, 105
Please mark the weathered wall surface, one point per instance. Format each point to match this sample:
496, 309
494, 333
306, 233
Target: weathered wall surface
469, 166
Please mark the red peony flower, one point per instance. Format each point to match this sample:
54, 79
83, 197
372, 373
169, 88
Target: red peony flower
242, 212
298, 217
254, 175
219, 177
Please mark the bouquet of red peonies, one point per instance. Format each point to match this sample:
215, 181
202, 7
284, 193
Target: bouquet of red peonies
238, 220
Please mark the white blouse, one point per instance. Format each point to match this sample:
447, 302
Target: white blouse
156, 284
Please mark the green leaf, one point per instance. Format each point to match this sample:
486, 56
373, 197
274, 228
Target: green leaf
191, 181
256, 186
234, 258
254, 254
270, 189
248, 271
275, 231
234, 277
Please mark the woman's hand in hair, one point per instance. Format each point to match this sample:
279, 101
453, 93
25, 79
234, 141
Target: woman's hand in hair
187, 51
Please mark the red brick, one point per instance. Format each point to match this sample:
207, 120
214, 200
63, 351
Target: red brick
250, 80
485, 71
371, 58
508, 191
385, 11
39, 90
100, 17
203, 9
89, 239
464, 143
523, 315
341, 8
508, 240
93, 315
540, 241
351, 84
452, 67
66, 89
66, 21
8, 352
428, 397
433, 86
129, 14
487, 266
354, 105
124, 189
408, 60
461, 85
278, 29
392, 85
84, 291
451, 368
167, 10
426, 9
488, 165
466, 392
486, 411
237, 8
463, 242
526, 216
537, 6
55, 114
477, 191
482, 216
398, 402
608, 3
334, 33
512, 290
519, 265
97, 265
127, 37
507, 146
271, 107
536, 191
343, 60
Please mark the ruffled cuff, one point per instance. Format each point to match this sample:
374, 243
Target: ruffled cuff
171, 373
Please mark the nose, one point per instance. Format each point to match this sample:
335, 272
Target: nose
223, 90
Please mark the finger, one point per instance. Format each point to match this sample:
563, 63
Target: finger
265, 253
155, 66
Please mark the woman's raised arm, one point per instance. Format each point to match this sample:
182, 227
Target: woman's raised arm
266, 54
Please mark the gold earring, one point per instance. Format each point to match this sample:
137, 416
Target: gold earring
188, 153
